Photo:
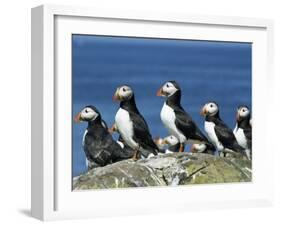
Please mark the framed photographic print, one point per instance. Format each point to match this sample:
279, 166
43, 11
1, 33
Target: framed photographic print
136, 111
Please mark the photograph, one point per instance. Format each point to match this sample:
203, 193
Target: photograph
160, 112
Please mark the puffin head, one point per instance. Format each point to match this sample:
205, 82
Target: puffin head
87, 114
210, 109
242, 112
198, 148
123, 93
168, 89
170, 140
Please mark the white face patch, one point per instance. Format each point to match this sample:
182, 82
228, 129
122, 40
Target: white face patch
171, 140
125, 92
243, 112
169, 88
211, 108
88, 114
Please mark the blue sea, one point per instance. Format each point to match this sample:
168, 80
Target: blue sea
205, 70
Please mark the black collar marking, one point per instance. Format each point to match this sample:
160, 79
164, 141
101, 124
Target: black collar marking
244, 123
130, 105
174, 101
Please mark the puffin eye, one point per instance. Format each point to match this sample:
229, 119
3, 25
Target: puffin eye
243, 110
211, 105
86, 110
167, 86
124, 90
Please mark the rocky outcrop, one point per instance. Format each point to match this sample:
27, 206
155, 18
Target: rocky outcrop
169, 169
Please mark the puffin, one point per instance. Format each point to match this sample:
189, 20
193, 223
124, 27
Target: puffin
131, 124
207, 148
99, 147
243, 128
171, 141
178, 122
219, 133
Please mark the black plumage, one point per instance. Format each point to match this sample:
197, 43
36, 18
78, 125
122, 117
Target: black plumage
224, 134
244, 124
187, 126
183, 121
248, 134
141, 133
210, 149
99, 147
174, 148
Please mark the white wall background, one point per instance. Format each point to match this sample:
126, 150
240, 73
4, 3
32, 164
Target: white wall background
15, 111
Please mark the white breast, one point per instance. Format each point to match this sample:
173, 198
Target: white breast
235, 129
83, 140
120, 144
210, 130
240, 137
168, 118
125, 127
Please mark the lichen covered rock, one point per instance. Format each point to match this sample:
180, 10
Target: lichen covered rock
169, 169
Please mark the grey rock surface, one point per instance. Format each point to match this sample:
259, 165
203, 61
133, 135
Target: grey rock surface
167, 170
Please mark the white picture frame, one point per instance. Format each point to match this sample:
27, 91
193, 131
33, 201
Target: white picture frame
52, 197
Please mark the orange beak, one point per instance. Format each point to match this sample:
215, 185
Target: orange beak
203, 111
116, 96
77, 118
160, 93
